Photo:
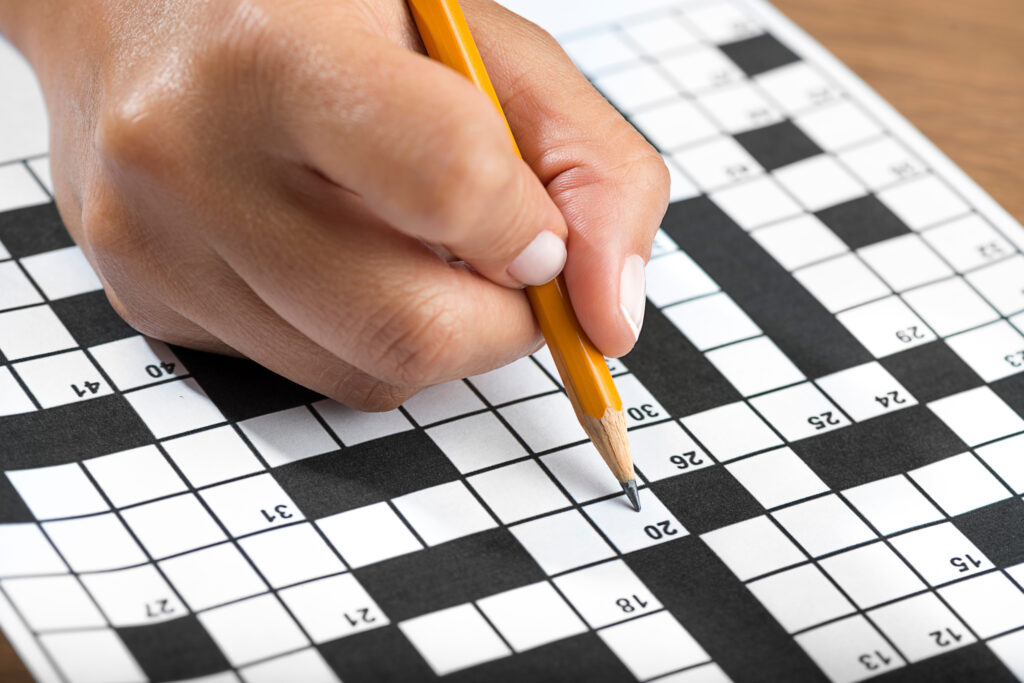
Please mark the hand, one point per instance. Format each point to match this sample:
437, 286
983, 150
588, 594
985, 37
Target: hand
282, 180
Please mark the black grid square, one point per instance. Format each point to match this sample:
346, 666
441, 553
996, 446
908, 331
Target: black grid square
1011, 390
880, 447
975, 662
580, 658
862, 221
33, 230
12, 507
449, 574
931, 371
707, 499
778, 145
759, 54
69, 433
997, 530
364, 474
174, 650
242, 388
90, 319
378, 655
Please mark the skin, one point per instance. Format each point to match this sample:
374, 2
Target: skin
293, 181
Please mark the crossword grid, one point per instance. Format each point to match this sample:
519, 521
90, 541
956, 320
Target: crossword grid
864, 575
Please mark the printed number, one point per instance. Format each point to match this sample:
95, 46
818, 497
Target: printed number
737, 170
363, 616
278, 512
820, 94
720, 78
659, 530
686, 459
643, 412
1015, 359
874, 660
909, 334
157, 371
965, 563
823, 420
904, 169
990, 250
158, 608
88, 388
759, 114
890, 397
946, 637
630, 604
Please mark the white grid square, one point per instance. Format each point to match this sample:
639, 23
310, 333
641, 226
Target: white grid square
57, 491
701, 69
475, 442
274, 554
842, 648
866, 391
53, 602
1002, 284
912, 624
753, 547
444, 512
368, 534
137, 361
630, 530
940, 553
334, 607
841, 282
134, 475
892, 504
62, 273
799, 241
213, 576
755, 366
454, 638
544, 423
990, 604
872, 574
819, 182
174, 407
959, 484
25, 550
740, 107
63, 378
134, 597
636, 86
287, 436
950, 306
1010, 649
598, 51
515, 492
251, 504
32, 331
712, 321
172, 526
756, 203
18, 188
882, 162
731, 430
717, 162
798, 86
514, 381
212, 456
443, 401
838, 125
92, 656
607, 593
823, 525
15, 287
675, 125
653, 645
13, 399
676, 277
561, 541
531, 616
354, 427
968, 242
307, 666
659, 34
722, 22
90, 544
253, 629
582, 472
905, 262
923, 202
777, 477
801, 597
886, 326
977, 415
665, 450
1006, 457
799, 412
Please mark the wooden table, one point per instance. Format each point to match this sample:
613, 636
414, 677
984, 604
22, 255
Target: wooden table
955, 69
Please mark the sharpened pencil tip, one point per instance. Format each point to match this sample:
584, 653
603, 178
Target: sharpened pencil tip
634, 497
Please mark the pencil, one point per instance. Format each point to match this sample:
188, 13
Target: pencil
583, 370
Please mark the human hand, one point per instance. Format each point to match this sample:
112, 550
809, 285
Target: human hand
264, 177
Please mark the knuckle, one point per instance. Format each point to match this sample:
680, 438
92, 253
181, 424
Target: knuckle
483, 173
418, 343
132, 132
142, 321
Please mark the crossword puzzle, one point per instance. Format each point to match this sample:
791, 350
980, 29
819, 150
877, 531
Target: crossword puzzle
824, 407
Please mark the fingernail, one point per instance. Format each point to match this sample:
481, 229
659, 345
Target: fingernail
633, 293
541, 261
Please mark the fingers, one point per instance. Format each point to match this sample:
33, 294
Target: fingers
427, 153
609, 184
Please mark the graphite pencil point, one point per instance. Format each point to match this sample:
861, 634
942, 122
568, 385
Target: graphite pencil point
630, 488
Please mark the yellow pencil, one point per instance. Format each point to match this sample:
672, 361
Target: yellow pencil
584, 372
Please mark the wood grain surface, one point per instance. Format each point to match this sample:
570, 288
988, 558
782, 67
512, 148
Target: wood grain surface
955, 69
